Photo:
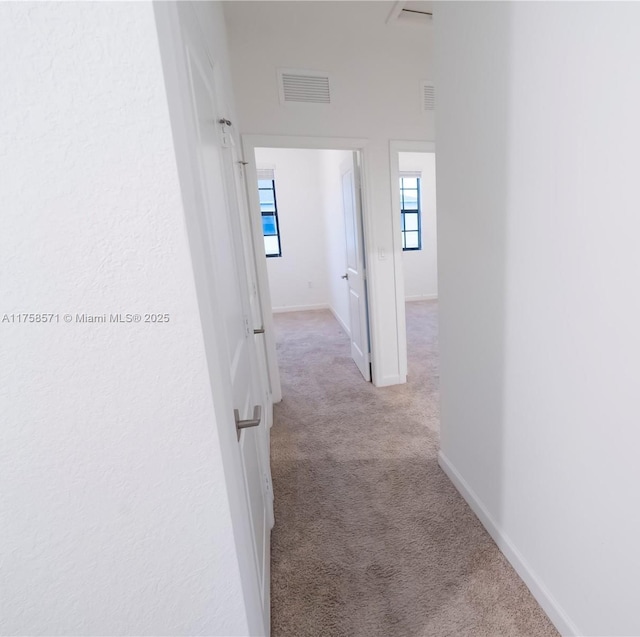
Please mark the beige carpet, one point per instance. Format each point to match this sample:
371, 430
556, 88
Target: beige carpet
371, 539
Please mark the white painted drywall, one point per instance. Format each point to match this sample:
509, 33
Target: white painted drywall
297, 279
540, 303
333, 162
376, 69
421, 266
115, 517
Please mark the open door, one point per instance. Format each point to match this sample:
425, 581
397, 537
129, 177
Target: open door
254, 442
237, 177
221, 235
356, 271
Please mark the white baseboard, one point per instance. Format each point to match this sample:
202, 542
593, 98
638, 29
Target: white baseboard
343, 325
421, 297
546, 600
299, 308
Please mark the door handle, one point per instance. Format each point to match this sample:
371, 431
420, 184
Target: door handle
345, 276
260, 330
253, 422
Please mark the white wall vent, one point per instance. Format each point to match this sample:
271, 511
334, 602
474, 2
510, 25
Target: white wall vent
428, 96
304, 86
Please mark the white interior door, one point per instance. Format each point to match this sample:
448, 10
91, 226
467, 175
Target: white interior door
237, 176
232, 299
356, 272
254, 442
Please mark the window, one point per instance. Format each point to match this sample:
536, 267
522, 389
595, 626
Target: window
410, 211
269, 210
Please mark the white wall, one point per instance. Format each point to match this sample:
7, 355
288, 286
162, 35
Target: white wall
115, 517
297, 279
421, 266
333, 164
376, 71
539, 295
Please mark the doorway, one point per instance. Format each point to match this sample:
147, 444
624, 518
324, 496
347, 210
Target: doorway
309, 218
414, 203
418, 225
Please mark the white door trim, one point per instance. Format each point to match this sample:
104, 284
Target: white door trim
396, 147
249, 144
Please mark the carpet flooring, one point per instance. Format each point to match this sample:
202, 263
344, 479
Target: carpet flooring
371, 539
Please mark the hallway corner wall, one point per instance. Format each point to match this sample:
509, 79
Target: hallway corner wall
539, 300
115, 512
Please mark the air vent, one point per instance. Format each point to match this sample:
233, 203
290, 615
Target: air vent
304, 86
428, 97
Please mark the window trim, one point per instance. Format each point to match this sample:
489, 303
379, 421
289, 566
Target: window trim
267, 175
418, 210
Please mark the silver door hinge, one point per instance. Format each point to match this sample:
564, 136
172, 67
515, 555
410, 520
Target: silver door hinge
226, 136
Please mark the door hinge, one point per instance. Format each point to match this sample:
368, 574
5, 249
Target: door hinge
226, 135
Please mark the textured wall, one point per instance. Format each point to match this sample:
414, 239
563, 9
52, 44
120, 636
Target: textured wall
113, 504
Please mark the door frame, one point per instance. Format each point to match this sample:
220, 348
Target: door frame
396, 147
249, 144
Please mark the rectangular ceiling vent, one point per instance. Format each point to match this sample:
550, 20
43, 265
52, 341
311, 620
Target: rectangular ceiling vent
304, 86
428, 96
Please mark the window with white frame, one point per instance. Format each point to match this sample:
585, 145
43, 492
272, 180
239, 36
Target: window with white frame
269, 212
410, 211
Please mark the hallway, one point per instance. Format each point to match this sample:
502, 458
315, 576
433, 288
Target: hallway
371, 538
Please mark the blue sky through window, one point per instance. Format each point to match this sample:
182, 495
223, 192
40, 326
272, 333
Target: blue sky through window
269, 210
